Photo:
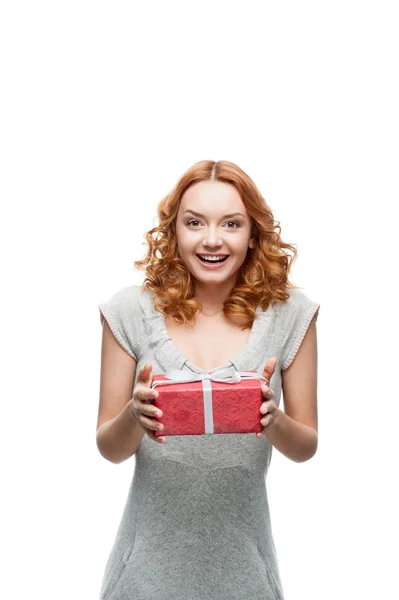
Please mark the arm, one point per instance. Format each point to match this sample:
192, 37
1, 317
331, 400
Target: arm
118, 432
295, 431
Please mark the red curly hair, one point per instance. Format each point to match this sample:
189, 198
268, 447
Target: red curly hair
263, 276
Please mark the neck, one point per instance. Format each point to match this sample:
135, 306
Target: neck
205, 313
212, 296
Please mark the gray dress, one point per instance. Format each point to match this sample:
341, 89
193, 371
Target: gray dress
196, 523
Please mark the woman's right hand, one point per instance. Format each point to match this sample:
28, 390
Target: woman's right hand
141, 407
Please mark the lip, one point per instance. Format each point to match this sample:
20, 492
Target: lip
213, 266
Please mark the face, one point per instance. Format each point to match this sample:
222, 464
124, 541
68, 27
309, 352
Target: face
212, 219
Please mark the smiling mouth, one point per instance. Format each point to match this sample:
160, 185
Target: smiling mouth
213, 262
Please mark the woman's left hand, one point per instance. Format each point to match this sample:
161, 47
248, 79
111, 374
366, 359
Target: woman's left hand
268, 407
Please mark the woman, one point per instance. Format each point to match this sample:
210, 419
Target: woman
196, 523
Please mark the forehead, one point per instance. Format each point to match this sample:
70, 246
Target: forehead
212, 196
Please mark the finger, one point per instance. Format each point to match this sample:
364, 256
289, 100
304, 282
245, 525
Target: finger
145, 394
265, 423
145, 374
269, 368
145, 409
151, 434
265, 406
158, 440
151, 423
143, 401
150, 410
267, 393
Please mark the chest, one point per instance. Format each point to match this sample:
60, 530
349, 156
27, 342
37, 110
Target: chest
208, 344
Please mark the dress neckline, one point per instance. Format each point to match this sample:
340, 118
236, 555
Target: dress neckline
184, 360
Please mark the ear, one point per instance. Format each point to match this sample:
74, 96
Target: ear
251, 243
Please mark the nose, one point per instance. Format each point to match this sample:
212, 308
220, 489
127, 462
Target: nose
211, 239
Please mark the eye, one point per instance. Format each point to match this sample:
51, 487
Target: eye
196, 221
236, 223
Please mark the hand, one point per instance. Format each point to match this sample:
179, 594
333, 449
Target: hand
143, 411
268, 407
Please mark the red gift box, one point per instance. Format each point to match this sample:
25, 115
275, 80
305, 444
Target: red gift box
222, 401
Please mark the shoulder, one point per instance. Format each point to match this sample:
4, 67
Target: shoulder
296, 303
296, 298
295, 316
126, 294
124, 315
123, 301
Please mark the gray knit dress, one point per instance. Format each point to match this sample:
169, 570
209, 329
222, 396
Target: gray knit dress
196, 523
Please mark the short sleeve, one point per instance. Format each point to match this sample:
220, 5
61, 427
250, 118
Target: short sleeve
296, 314
121, 313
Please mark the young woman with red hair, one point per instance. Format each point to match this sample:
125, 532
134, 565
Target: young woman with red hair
216, 295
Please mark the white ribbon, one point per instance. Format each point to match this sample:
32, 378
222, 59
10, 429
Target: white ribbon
222, 375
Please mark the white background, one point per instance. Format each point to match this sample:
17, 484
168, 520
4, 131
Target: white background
103, 106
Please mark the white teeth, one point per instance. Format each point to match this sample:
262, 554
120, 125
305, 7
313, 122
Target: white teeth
212, 258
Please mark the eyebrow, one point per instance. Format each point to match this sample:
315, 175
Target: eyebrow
225, 216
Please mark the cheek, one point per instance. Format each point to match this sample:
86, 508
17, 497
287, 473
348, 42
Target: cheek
186, 242
239, 247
